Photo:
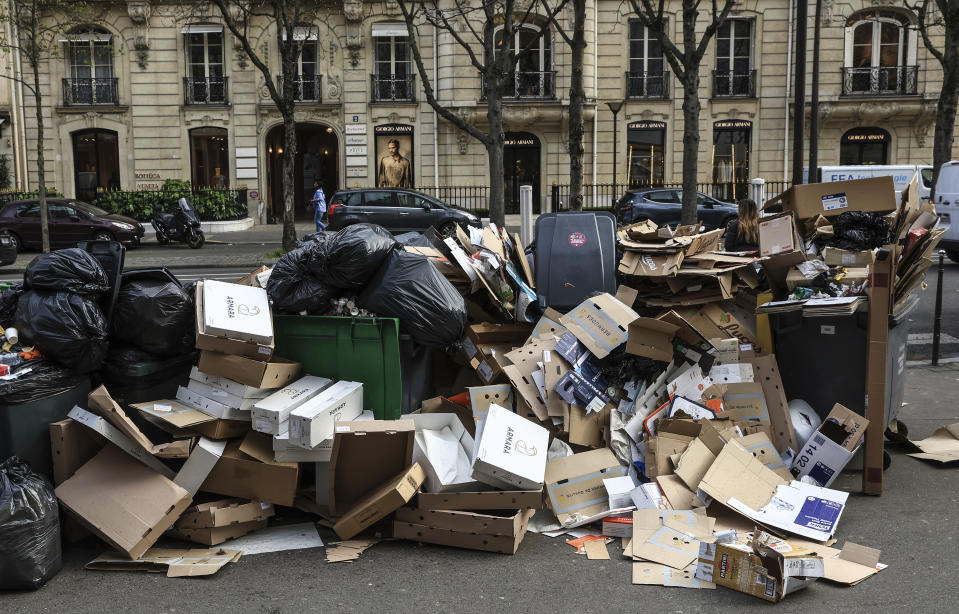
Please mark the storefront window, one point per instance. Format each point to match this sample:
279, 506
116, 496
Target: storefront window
96, 162
731, 146
864, 146
644, 153
209, 158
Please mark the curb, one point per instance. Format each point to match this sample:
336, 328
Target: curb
175, 267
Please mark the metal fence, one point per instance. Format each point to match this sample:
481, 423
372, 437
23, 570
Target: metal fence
469, 197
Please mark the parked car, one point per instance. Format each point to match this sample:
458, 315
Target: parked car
8, 249
70, 221
663, 206
396, 210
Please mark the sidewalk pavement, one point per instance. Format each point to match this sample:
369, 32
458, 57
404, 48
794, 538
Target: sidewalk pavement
238, 249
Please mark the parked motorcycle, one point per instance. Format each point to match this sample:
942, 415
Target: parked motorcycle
182, 226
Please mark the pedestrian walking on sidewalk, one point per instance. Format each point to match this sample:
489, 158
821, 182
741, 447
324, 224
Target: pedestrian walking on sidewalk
319, 206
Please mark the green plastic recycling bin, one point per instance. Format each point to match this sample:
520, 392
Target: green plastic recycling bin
25, 427
822, 360
363, 350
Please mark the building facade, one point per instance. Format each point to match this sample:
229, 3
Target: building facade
148, 90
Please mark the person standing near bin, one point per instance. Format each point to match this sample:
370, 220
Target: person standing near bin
319, 206
742, 234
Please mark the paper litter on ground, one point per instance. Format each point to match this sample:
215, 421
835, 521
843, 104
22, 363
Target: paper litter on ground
277, 539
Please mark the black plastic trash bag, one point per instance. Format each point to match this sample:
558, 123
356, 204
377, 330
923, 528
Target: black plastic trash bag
315, 238
292, 289
157, 316
348, 259
860, 230
73, 270
413, 239
29, 528
65, 327
45, 379
409, 287
8, 305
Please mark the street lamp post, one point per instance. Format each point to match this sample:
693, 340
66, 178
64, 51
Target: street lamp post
615, 106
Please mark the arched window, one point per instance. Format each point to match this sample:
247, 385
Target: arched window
533, 77
880, 53
864, 146
91, 80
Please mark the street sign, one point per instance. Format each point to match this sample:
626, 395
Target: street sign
356, 150
356, 139
356, 129
356, 171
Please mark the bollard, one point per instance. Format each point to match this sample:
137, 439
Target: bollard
526, 214
757, 191
937, 322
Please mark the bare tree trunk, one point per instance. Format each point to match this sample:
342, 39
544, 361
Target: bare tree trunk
289, 179
41, 163
494, 150
691, 110
946, 110
577, 96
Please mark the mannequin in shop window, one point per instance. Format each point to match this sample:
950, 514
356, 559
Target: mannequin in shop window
742, 234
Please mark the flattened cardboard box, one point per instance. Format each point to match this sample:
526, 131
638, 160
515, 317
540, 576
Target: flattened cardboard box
72, 445
177, 563
574, 484
477, 501
508, 523
204, 457
503, 544
114, 436
650, 265
273, 373
651, 338
380, 503
352, 475
238, 474
184, 421
833, 256
600, 323
125, 503
100, 402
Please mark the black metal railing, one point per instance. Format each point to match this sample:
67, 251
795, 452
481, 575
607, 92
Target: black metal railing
539, 84
306, 89
210, 90
602, 196
734, 84
393, 88
880, 81
647, 85
90, 92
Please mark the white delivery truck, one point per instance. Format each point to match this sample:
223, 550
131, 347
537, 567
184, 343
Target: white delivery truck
947, 206
901, 175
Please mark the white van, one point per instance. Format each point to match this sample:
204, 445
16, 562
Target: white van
947, 206
901, 175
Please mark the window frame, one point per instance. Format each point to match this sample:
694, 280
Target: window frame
646, 39
731, 56
908, 39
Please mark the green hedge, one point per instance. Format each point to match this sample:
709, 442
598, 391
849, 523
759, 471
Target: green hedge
210, 204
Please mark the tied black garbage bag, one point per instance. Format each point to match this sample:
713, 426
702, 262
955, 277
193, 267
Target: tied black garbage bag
292, 289
29, 528
349, 258
72, 270
859, 230
8, 305
315, 238
408, 287
413, 239
65, 327
45, 379
157, 316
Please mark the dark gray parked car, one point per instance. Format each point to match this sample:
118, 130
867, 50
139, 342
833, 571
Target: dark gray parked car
663, 206
397, 210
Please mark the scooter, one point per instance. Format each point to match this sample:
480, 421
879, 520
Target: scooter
182, 226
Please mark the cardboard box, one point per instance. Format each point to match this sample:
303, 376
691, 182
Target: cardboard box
286, 452
311, 423
831, 446
770, 571
236, 312
215, 522
834, 256
72, 445
270, 415
383, 501
508, 523
201, 462
211, 536
880, 302
100, 402
273, 373
224, 397
114, 436
485, 333
486, 500
620, 525
490, 360
353, 472
236, 390
208, 341
509, 451
441, 463
176, 562
651, 338
122, 501
503, 544
650, 265
239, 473
574, 485
442, 405
778, 235
183, 421
829, 199
210, 406
600, 323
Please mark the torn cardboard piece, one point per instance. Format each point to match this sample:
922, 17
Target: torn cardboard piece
651, 338
176, 562
388, 498
251, 473
349, 550
100, 402
654, 574
941, 447
114, 436
574, 485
